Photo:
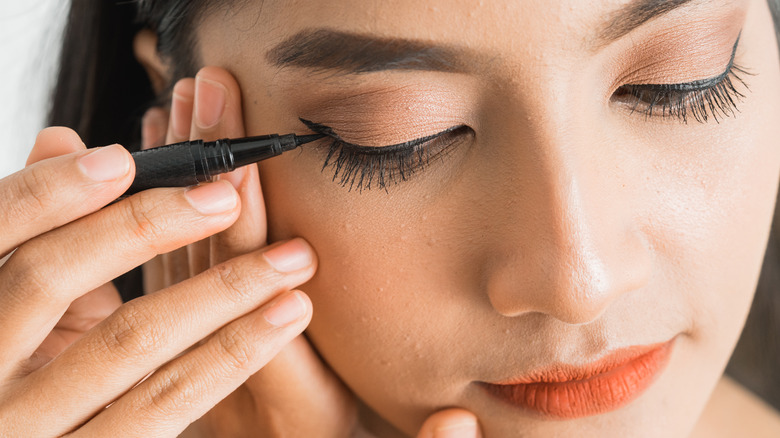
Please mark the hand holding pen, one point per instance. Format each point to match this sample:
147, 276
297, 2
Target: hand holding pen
216, 312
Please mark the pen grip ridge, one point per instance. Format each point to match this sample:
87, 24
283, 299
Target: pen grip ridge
166, 166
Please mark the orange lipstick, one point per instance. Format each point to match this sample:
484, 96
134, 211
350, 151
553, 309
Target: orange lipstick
565, 391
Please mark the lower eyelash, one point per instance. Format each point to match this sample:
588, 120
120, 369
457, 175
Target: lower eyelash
715, 98
360, 169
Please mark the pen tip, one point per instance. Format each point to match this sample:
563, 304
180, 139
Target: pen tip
303, 139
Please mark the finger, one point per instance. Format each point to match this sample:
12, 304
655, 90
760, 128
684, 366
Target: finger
185, 389
153, 275
83, 314
217, 110
42, 277
181, 111
176, 263
299, 384
154, 127
217, 114
248, 233
55, 191
53, 142
451, 423
148, 331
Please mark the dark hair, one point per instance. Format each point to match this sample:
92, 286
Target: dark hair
102, 92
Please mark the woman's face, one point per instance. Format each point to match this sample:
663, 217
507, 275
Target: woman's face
560, 222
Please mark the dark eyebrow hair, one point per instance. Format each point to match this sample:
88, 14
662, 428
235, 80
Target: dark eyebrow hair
323, 49
629, 17
326, 49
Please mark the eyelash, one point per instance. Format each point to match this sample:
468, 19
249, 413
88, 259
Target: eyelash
715, 97
357, 167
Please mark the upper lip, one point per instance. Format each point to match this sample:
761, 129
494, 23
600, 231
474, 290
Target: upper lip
559, 372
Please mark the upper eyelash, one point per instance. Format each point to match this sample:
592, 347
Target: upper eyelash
716, 97
357, 166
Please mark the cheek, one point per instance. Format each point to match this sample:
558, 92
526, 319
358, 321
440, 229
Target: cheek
712, 204
386, 301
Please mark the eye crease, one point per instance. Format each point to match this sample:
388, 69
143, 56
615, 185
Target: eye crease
715, 97
359, 167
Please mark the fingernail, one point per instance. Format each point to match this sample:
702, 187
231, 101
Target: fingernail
292, 256
105, 164
181, 112
461, 430
209, 103
217, 197
286, 311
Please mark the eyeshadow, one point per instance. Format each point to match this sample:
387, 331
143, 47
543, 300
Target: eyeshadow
376, 150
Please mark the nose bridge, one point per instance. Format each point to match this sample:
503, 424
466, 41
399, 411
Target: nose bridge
578, 253
572, 246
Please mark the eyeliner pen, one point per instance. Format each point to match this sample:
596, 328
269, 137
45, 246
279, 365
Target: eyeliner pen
195, 161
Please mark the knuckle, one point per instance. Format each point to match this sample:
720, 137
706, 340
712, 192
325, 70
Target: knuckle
231, 279
128, 333
238, 350
31, 192
37, 186
28, 276
145, 225
169, 391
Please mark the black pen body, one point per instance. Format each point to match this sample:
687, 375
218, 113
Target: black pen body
175, 165
192, 162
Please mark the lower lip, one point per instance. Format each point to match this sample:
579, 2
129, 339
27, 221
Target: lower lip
619, 378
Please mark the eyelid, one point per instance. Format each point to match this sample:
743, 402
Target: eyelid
374, 150
696, 85
715, 97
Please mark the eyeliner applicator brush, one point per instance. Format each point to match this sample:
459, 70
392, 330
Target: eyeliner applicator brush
192, 162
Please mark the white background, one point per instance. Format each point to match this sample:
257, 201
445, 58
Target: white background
30, 35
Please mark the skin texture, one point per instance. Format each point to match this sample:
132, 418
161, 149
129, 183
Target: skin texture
295, 394
74, 349
564, 228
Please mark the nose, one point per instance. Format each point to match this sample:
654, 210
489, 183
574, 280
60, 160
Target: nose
571, 240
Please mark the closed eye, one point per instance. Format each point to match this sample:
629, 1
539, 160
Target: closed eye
361, 167
712, 98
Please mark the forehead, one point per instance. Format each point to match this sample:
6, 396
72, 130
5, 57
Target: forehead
499, 24
505, 36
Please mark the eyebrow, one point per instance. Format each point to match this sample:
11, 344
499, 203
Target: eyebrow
321, 49
326, 49
624, 20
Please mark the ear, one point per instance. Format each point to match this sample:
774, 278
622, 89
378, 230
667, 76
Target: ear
145, 49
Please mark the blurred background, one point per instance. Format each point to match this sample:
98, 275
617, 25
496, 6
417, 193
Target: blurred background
30, 31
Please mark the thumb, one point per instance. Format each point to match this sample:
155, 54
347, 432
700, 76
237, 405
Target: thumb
451, 423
